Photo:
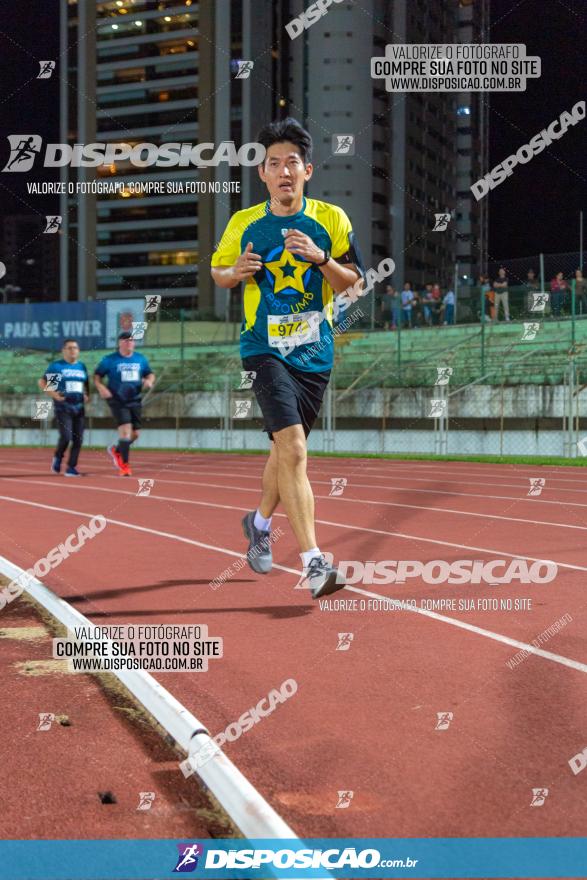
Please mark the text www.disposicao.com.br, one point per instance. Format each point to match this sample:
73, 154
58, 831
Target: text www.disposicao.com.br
146, 664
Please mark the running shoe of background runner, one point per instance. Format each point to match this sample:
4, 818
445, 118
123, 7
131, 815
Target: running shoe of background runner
72, 472
56, 465
115, 456
124, 470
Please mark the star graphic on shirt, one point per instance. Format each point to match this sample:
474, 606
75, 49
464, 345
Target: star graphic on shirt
287, 273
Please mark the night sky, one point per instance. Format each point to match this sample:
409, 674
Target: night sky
537, 209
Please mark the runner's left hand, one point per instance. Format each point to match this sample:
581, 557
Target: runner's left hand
302, 245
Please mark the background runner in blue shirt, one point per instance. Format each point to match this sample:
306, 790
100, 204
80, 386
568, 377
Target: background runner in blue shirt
128, 373
66, 382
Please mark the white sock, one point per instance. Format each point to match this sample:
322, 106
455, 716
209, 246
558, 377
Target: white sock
261, 523
309, 554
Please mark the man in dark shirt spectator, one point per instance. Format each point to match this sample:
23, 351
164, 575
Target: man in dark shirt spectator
416, 310
558, 294
407, 299
531, 286
580, 293
389, 308
436, 304
428, 304
501, 288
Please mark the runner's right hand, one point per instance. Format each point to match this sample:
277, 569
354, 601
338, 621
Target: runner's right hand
247, 264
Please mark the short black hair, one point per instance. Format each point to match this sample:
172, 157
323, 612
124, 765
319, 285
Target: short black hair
287, 130
66, 341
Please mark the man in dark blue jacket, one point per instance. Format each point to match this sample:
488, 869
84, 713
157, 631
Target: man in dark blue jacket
66, 382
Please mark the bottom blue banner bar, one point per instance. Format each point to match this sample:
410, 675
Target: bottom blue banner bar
368, 858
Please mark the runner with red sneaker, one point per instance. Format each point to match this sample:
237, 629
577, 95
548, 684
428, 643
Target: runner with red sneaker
128, 374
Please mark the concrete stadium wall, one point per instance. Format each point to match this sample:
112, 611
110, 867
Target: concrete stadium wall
518, 420
477, 401
460, 442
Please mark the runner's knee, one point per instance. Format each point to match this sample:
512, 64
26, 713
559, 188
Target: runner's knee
291, 450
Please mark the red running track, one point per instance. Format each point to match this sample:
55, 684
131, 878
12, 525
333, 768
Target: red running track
363, 719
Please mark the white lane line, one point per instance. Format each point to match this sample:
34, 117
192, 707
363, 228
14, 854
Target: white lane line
381, 486
435, 472
488, 634
385, 486
437, 477
367, 501
117, 522
498, 554
535, 522
547, 655
389, 468
378, 486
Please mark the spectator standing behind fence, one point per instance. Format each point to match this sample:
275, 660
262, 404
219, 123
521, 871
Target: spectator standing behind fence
387, 307
488, 297
501, 288
416, 310
448, 303
558, 294
531, 286
580, 293
407, 298
428, 304
397, 309
436, 304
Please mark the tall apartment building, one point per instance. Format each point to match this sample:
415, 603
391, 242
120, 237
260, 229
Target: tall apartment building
407, 164
31, 258
134, 68
158, 71
472, 152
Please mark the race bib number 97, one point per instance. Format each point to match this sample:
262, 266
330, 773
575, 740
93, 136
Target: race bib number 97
299, 329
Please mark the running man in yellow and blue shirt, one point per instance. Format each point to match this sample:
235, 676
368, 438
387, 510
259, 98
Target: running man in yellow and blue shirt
293, 255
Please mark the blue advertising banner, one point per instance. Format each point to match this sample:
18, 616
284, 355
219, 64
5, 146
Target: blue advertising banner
319, 858
44, 326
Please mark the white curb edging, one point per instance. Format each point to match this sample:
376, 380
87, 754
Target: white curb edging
241, 800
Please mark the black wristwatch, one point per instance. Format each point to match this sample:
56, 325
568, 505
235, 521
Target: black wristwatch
326, 258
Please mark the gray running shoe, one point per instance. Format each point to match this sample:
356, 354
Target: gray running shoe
259, 552
323, 578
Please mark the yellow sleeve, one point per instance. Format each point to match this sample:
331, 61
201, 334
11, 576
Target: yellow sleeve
339, 232
229, 248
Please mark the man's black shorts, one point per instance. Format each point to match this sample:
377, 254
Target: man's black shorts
126, 412
286, 396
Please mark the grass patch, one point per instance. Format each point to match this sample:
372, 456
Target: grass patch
392, 456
